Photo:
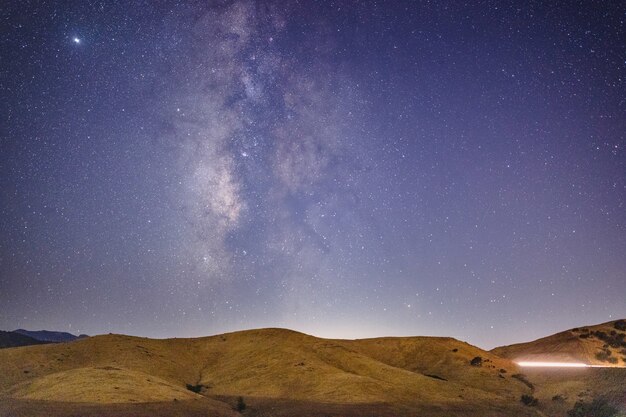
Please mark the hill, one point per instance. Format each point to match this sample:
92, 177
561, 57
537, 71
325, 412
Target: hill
12, 339
280, 372
556, 389
275, 370
601, 344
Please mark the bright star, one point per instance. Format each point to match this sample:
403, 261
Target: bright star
76, 40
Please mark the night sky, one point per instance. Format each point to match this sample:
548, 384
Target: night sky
345, 169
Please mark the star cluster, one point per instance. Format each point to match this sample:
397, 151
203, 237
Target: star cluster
347, 169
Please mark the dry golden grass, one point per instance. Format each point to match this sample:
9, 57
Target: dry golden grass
559, 389
566, 346
102, 385
279, 373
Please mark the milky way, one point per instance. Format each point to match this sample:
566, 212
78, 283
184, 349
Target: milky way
347, 169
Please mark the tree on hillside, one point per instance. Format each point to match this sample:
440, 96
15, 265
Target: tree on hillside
477, 361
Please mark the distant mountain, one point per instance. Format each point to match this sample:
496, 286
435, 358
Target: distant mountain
49, 336
600, 344
13, 339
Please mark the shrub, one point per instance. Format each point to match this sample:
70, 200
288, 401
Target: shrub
620, 325
558, 398
195, 388
241, 404
477, 361
613, 339
604, 355
529, 400
599, 407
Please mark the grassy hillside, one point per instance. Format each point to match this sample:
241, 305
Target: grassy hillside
558, 389
412, 376
284, 373
602, 344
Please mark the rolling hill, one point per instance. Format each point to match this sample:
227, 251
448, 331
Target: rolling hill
278, 372
601, 344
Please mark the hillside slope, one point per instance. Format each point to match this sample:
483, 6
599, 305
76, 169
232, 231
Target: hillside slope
273, 369
601, 344
284, 373
558, 389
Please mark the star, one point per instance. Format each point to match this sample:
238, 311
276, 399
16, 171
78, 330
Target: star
331, 164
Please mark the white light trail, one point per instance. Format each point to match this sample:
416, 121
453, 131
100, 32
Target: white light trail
553, 364
526, 364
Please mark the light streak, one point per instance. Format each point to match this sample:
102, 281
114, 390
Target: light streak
527, 364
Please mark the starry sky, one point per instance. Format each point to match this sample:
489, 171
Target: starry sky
346, 169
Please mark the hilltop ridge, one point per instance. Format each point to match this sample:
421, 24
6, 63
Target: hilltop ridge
600, 344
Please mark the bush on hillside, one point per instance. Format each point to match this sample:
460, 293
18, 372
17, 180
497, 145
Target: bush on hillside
604, 356
599, 407
477, 361
529, 400
620, 325
612, 339
195, 388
